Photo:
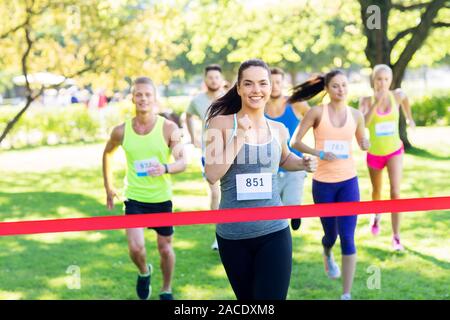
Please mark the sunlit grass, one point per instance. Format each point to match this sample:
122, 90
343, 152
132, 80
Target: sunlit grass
35, 266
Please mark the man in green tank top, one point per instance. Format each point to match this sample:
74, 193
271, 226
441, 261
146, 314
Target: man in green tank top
148, 141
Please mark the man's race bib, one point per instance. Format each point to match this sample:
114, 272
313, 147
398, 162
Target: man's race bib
385, 128
142, 166
340, 148
254, 186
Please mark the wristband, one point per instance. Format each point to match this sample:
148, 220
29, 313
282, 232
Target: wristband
166, 168
321, 155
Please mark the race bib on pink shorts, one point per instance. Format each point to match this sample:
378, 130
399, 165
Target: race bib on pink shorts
254, 186
385, 128
142, 166
340, 148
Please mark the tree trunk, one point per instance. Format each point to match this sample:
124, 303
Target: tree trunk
419, 36
396, 83
293, 75
11, 123
378, 48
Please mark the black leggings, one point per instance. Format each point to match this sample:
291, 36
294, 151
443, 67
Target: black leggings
258, 268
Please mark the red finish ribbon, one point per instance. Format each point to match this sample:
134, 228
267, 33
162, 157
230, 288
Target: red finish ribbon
222, 216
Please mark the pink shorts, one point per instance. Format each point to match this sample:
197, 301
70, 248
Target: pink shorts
379, 162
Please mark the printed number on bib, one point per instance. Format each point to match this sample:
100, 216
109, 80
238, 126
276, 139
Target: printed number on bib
385, 128
254, 186
142, 166
339, 147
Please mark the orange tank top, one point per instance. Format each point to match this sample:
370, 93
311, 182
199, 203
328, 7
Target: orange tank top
339, 141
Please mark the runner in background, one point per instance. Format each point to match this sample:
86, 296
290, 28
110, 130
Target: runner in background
382, 114
148, 141
334, 125
290, 184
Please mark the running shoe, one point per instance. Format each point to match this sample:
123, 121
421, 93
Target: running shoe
346, 296
143, 285
295, 224
166, 296
396, 245
215, 245
331, 267
375, 227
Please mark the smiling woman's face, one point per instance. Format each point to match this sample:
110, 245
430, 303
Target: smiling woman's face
255, 87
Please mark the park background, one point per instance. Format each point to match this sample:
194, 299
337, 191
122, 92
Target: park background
65, 73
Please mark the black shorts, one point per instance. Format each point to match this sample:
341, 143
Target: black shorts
137, 207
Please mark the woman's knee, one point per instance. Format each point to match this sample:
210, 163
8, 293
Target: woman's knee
348, 245
376, 193
329, 240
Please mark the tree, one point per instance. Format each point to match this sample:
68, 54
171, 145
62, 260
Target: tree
95, 41
298, 36
403, 44
318, 35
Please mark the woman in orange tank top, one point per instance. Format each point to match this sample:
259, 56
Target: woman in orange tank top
335, 124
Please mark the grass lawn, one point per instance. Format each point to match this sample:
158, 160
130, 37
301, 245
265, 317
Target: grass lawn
36, 266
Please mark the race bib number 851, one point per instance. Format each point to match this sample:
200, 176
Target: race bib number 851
254, 186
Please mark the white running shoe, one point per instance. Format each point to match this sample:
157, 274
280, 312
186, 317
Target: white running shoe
331, 267
215, 246
346, 296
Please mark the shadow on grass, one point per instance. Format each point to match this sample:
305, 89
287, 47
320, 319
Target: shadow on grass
440, 263
399, 283
309, 281
19, 206
414, 151
436, 221
34, 267
39, 265
37, 269
80, 143
384, 255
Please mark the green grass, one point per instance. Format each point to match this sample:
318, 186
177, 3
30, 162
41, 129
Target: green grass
34, 266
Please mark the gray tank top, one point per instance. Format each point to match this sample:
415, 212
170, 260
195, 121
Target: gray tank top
252, 158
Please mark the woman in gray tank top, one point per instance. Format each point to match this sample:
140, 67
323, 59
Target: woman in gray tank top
244, 151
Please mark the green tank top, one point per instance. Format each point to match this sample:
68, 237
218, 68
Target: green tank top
141, 151
383, 128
